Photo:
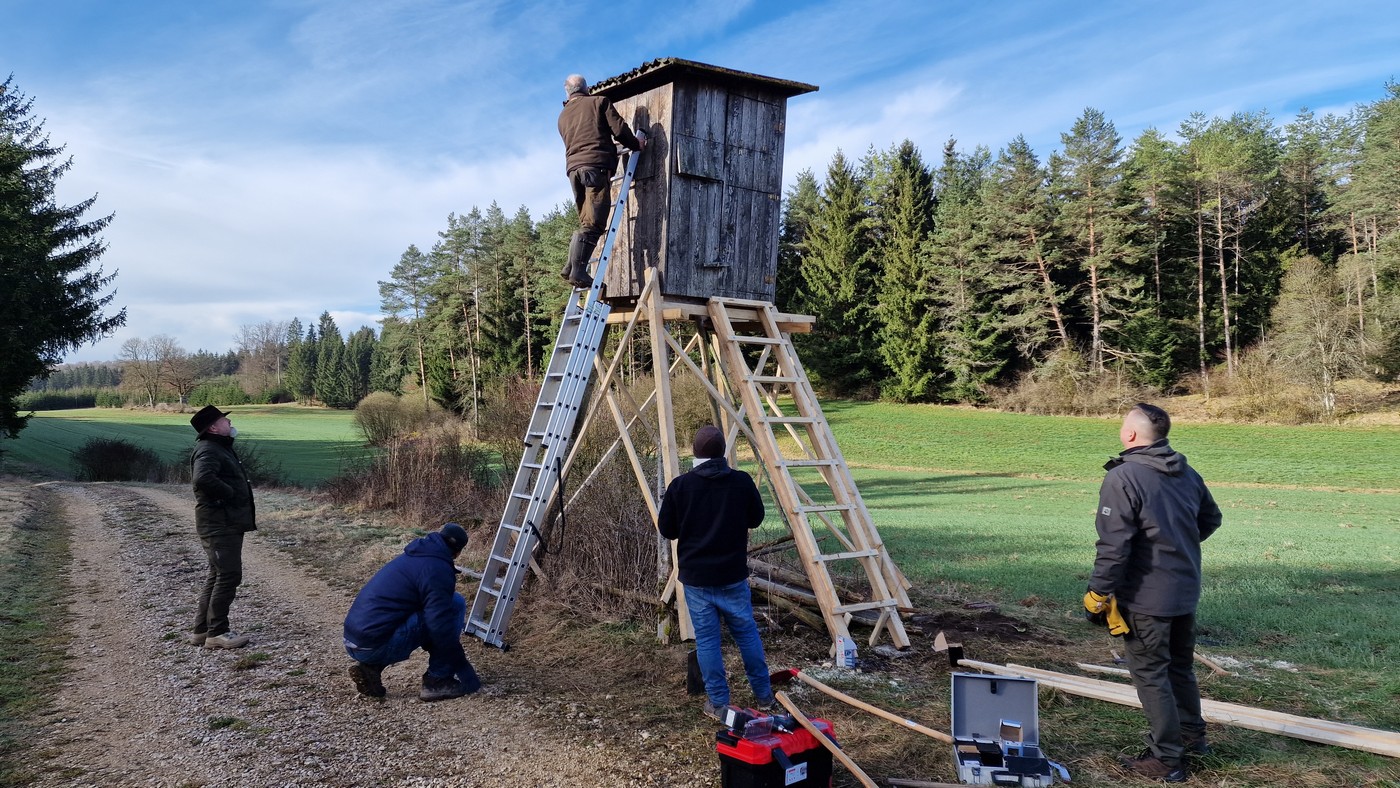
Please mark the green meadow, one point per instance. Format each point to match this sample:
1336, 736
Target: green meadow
1000, 506
310, 444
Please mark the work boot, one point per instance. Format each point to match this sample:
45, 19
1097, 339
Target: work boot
435, 689
1154, 768
366, 678
226, 640
1196, 745
579, 277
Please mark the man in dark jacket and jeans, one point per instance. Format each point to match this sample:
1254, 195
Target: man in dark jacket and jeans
588, 126
223, 512
410, 603
1154, 512
709, 512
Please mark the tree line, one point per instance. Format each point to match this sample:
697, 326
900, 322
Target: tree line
1161, 263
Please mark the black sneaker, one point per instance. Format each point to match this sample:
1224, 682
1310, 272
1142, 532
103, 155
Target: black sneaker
1154, 768
435, 689
366, 678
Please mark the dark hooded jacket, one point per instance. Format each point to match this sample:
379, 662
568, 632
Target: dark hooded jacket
223, 494
709, 512
422, 579
1154, 512
588, 125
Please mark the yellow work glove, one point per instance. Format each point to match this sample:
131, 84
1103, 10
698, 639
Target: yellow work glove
1103, 610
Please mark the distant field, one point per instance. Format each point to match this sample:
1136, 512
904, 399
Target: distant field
311, 444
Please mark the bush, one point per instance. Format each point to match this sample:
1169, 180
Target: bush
116, 460
262, 471
381, 417
109, 398
1063, 385
274, 396
427, 479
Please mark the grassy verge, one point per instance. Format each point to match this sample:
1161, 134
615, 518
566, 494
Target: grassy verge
33, 639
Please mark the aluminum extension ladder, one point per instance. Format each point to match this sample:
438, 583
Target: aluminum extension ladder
547, 442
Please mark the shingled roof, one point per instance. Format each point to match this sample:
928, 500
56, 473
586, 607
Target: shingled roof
668, 69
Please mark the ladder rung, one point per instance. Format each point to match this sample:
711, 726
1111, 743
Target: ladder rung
828, 507
787, 419
758, 340
495, 592
808, 463
857, 607
773, 379
521, 496
852, 554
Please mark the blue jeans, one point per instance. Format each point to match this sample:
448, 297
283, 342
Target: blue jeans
410, 636
707, 605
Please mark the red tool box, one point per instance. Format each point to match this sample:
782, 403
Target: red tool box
775, 760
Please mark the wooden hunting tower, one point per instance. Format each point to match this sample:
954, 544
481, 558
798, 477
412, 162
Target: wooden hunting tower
708, 193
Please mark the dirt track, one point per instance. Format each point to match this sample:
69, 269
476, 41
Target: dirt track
142, 707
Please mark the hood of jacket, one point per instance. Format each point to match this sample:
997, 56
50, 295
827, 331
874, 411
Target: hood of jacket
430, 546
1160, 457
712, 468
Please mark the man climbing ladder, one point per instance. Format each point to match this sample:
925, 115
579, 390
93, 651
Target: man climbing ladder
548, 437
588, 125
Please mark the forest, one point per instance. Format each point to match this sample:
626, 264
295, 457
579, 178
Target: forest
1166, 264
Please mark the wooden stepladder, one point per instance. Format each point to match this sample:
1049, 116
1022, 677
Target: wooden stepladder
810, 478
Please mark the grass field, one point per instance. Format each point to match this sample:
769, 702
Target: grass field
311, 444
1302, 583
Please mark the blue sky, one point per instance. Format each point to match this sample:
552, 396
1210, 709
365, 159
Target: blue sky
270, 159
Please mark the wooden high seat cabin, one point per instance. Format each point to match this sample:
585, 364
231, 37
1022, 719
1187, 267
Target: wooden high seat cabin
707, 197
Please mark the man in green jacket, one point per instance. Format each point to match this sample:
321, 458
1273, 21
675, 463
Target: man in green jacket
223, 512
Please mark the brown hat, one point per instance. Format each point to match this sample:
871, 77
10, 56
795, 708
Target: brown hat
205, 418
709, 442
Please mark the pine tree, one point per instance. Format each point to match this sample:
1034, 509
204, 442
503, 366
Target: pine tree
333, 384
839, 277
359, 358
973, 339
907, 332
406, 295
1094, 233
1020, 224
51, 299
800, 206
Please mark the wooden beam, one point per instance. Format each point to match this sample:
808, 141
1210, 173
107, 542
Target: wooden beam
1339, 734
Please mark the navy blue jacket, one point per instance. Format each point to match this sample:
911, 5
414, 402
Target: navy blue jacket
424, 580
709, 513
1154, 512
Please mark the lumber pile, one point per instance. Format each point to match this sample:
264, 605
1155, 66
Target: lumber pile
1339, 734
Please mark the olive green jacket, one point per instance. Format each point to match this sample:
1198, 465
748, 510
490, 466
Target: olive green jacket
223, 494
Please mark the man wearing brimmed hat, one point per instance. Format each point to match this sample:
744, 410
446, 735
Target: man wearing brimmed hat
709, 513
223, 512
411, 603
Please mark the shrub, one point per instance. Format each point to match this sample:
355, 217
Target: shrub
262, 470
67, 399
1063, 385
427, 479
274, 396
116, 460
109, 398
382, 416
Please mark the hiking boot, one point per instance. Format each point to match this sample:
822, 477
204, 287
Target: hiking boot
366, 678
435, 689
228, 639
1197, 745
770, 707
1150, 766
712, 711
196, 638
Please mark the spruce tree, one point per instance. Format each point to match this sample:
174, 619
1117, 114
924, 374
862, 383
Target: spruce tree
839, 277
800, 206
904, 203
51, 299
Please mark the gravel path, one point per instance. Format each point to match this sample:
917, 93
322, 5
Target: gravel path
142, 707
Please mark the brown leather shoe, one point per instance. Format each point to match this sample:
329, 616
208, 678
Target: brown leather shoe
1150, 766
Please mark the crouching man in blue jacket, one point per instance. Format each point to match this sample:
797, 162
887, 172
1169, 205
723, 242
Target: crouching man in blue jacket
410, 603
